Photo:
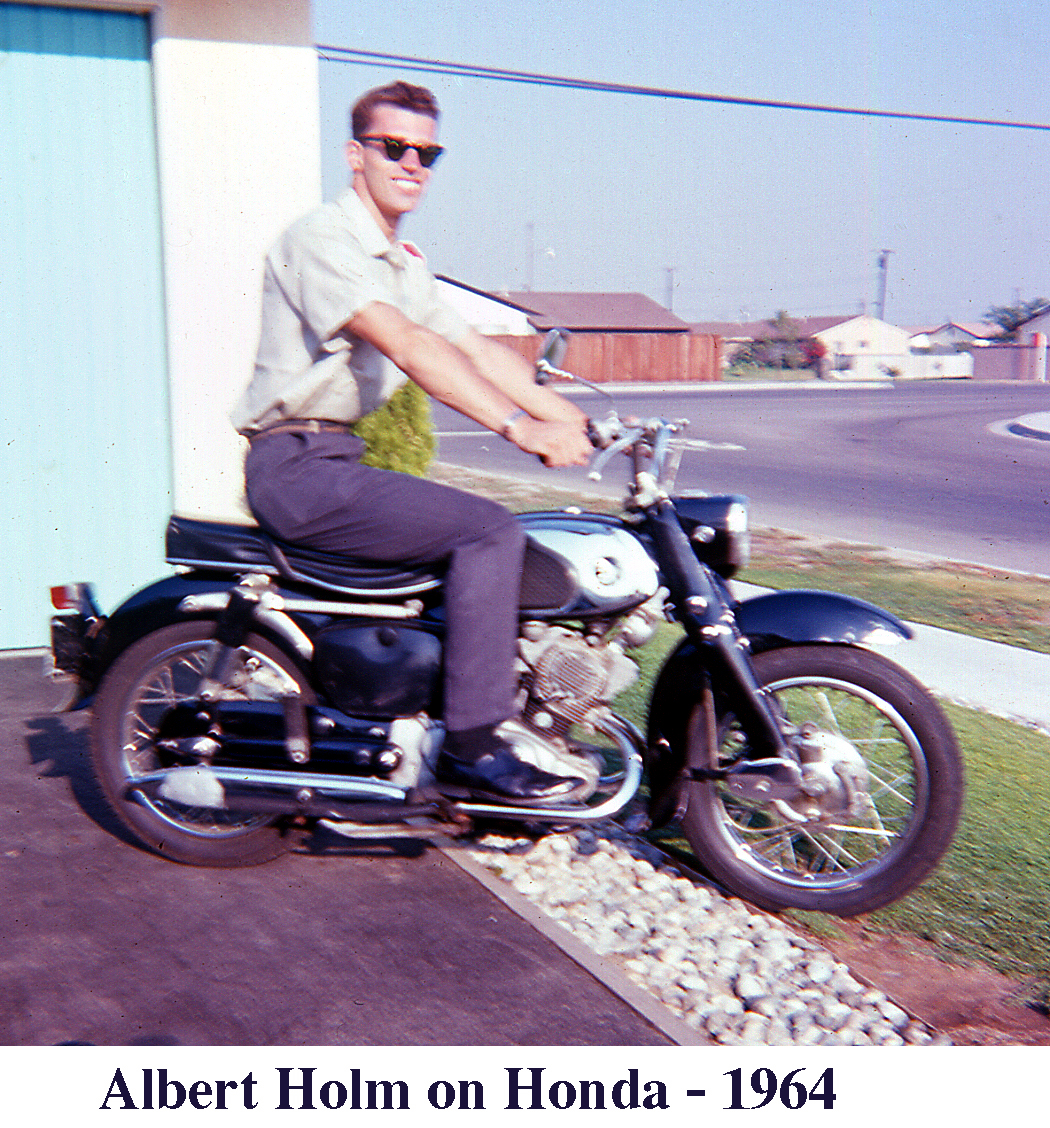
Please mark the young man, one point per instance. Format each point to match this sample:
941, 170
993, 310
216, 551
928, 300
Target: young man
349, 313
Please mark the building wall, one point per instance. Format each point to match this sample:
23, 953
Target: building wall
239, 153
84, 437
865, 336
486, 315
229, 90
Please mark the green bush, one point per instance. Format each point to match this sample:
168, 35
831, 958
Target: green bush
399, 435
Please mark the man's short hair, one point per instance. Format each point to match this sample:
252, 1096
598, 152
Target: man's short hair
418, 99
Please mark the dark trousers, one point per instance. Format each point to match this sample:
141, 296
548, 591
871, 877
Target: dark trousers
311, 489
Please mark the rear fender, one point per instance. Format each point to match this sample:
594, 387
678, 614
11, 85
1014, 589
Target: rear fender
149, 609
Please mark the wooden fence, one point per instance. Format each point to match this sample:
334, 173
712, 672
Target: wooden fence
606, 358
1011, 361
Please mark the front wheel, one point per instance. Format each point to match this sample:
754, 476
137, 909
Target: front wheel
881, 795
148, 681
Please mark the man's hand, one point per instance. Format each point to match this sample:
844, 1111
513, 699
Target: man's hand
556, 444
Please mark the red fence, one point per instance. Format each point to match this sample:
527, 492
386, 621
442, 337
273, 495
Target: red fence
605, 358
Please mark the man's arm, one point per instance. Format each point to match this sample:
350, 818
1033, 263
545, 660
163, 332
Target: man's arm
516, 376
488, 389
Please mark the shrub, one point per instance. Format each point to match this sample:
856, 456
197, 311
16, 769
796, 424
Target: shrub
399, 435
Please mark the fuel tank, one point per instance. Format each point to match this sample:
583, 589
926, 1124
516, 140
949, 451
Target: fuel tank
583, 565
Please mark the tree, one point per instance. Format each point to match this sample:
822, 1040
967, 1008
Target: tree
1010, 318
785, 327
783, 347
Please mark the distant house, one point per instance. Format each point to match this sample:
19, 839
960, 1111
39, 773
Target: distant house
739, 335
621, 337
858, 347
594, 312
487, 313
866, 347
954, 335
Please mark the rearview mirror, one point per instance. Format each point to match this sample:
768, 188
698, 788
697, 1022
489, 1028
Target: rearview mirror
555, 345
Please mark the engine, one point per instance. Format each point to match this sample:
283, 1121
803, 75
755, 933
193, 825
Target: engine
567, 675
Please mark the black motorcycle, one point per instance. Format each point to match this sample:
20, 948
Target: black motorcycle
264, 688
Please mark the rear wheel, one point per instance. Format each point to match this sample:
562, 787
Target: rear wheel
882, 789
151, 678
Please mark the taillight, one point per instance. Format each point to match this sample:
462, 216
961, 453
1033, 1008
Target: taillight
68, 597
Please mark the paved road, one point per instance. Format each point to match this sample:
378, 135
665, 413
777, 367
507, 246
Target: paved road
926, 467
105, 944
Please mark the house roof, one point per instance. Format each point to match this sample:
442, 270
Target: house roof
979, 330
1040, 313
757, 330
593, 312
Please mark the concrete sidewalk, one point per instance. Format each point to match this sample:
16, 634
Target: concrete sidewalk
1005, 680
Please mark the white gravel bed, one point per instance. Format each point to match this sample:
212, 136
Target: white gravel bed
728, 970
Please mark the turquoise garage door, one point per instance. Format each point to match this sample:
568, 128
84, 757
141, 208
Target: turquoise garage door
85, 464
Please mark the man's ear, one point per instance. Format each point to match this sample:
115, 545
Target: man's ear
354, 155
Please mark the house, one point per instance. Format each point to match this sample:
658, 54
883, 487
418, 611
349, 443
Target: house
738, 336
858, 347
617, 337
157, 150
953, 335
594, 312
865, 347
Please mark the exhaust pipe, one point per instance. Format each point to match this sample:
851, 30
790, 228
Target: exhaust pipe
221, 787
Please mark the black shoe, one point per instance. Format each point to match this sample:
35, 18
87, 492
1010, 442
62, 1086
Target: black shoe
501, 777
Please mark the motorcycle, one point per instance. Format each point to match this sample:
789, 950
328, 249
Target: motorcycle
265, 688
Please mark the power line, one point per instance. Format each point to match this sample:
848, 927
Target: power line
464, 70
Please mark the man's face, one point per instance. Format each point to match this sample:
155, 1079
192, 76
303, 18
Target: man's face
389, 188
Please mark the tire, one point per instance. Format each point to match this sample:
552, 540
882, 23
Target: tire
147, 680
831, 861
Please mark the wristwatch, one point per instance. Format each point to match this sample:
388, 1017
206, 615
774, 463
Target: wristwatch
509, 422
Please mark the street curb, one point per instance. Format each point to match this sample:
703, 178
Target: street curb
1035, 426
605, 971
643, 387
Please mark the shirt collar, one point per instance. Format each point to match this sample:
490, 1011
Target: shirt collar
368, 232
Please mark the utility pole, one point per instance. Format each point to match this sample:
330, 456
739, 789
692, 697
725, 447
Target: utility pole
884, 258
530, 255
670, 288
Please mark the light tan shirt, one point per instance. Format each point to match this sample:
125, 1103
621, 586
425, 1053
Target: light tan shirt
324, 270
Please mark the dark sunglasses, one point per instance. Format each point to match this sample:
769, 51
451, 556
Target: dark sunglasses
396, 149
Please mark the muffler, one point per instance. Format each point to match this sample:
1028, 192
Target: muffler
221, 787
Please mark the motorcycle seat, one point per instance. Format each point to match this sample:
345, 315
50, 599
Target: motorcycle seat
223, 547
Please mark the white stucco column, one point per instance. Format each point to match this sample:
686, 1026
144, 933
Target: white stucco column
238, 134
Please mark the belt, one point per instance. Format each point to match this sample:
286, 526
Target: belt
301, 426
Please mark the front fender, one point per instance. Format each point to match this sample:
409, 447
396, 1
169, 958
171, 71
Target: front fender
792, 618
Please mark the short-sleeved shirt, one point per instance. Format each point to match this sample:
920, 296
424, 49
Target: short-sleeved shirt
324, 270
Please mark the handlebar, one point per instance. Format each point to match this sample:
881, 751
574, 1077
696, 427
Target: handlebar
647, 441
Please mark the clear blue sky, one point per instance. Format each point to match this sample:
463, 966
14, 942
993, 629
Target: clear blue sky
751, 209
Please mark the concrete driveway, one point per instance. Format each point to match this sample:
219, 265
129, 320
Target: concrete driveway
105, 944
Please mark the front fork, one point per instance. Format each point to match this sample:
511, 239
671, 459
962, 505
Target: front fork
712, 628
